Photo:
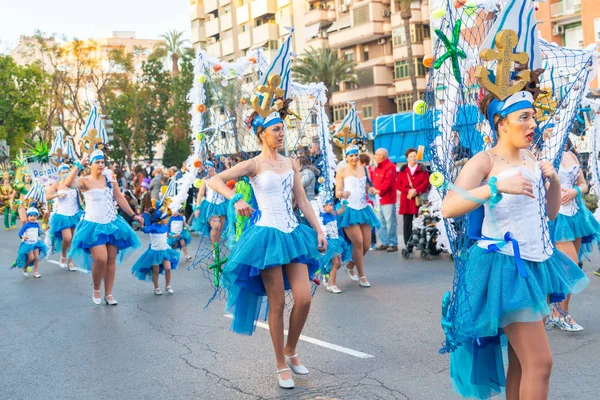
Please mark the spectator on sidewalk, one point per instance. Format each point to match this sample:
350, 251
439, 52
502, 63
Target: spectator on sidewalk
156, 183
384, 182
412, 181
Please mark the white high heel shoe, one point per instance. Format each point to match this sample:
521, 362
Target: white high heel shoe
334, 289
97, 300
297, 369
365, 283
285, 383
351, 274
110, 300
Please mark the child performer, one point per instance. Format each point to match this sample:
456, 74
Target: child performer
159, 258
32, 248
179, 233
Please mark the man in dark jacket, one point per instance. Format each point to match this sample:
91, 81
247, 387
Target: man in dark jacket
384, 182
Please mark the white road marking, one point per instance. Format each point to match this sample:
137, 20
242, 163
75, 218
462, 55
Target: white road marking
54, 262
327, 345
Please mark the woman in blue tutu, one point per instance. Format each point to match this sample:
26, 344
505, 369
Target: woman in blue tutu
159, 258
32, 249
359, 218
512, 271
67, 213
338, 250
572, 226
179, 233
211, 209
102, 238
275, 253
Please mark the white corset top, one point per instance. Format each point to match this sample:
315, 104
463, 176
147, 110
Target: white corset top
568, 178
32, 235
176, 226
99, 205
273, 194
158, 241
67, 205
358, 194
522, 217
213, 197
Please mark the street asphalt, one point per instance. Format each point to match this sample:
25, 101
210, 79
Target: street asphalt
56, 344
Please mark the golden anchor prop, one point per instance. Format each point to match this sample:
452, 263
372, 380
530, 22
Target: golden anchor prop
89, 142
344, 138
271, 91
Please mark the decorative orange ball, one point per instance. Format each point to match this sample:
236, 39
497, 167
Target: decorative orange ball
428, 60
201, 108
252, 60
243, 101
197, 164
231, 184
217, 67
459, 3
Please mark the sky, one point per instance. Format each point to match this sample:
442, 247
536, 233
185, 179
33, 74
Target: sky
91, 19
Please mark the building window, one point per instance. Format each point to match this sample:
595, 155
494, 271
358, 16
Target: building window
365, 77
365, 53
314, 118
339, 112
418, 32
349, 55
367, 112
360, 15
228, 34
242, 2
597, 29
245, 27
273, 44
401, 68
404, 101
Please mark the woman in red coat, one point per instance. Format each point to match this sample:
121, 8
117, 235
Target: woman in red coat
412, 181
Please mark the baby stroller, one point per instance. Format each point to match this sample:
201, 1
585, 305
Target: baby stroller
424, 235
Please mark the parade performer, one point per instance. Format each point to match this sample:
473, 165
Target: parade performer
572, 225
275, 253
338, 251
211, 209
7, 194
179, 233
511, 272
67, 213
32, 249
102, 239
159, 258
358, 219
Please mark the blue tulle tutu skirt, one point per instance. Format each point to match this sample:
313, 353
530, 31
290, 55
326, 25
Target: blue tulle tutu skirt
259, 248
335, 247
207, 211
142, 269
25, 249
496, 295
90, 234
185, 235
351, 216
58, 223
567, 229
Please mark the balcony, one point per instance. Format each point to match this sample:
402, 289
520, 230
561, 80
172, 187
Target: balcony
417, 17
226, 21
224, 2
404, 85
197, 11
318, 15
227, 47
214, 50
212, 27
265, 32
565, 8
360, 94
210, 5
282, 3
401, 52
242, 14
316, 43
262, 7
198, 33
244, 40
363, 33
286, 20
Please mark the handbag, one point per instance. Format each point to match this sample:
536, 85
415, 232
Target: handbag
417, 197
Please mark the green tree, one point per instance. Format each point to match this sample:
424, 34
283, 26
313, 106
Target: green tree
173, 47
176, 151
20, 99
406, 15
324, 65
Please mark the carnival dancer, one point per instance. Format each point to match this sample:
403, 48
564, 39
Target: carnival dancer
7, 194
159, 258
358, 218
179, 233
211, 209
338, 250
32, 249
102, 239
571, 226
511, 271
67, 214
276, 253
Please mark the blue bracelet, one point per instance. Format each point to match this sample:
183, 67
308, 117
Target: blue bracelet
235, 198
578, 190
496, 195
78, 165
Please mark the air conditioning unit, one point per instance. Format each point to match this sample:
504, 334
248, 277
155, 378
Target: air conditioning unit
558, 30
343, 8
381, 41
386, 13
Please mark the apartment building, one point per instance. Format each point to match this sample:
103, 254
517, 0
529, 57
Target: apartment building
229, 28
570, 23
